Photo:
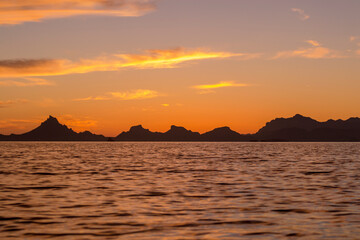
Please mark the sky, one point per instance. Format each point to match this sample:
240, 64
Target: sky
107, 65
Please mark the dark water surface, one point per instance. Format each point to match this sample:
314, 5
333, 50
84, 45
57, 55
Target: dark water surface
179, 190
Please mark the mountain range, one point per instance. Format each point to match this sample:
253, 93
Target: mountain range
296, 128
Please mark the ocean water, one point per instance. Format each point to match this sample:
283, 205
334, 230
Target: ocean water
179, 190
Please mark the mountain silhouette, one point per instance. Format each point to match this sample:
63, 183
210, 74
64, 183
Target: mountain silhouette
300, 128
224, 134
138, 133
52, 130
296, 128
176, 133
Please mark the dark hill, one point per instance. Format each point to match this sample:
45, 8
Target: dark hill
296, 128
138, 133
180, 134
224, 134
52, 130
297, 121
300, 128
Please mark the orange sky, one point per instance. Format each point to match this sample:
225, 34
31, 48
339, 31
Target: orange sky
200, 64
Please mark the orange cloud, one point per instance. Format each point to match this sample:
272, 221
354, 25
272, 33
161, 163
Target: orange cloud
129, 95
151, 59
220, 85
170, 58
16, 12
314, 43
9, 126
98, 98
80, 124
301, 13
314, 52
12, 102
26, 82
137, 94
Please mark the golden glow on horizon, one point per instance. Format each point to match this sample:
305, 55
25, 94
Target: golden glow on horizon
152, 59
17, 12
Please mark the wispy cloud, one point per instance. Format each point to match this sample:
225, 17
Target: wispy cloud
301, 14
8, 103
78, 123
169, 58
97, 98
220, 85
19, 11
26, 82
137, 94
354, 38
127, 95
314, 43
8, 126
316, 51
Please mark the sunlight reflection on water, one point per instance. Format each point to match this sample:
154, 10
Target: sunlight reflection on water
179, 190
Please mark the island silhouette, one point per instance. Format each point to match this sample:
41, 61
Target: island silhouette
295, 129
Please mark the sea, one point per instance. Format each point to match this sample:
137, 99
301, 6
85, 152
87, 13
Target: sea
179, 190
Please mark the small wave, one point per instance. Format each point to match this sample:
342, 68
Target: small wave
317, 172
290, 210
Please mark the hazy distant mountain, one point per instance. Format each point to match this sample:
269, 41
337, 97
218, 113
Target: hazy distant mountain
296, 128
138, 133
300, 128
180, 134
52, 130
224, 134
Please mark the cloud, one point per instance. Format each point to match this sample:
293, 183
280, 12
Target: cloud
20, 11
137, 94
356, 39
26, 82
129, 95
314, 43
353, 38
301, 14
7, 103
80, 124
219, 85
98, 98
313, 52
169, 58
8, 126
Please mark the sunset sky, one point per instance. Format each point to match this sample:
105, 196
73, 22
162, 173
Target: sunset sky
106, 65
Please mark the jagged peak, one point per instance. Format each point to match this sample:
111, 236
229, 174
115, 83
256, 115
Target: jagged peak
137, 127
298, 116
223, 128
52, 120
174, 126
